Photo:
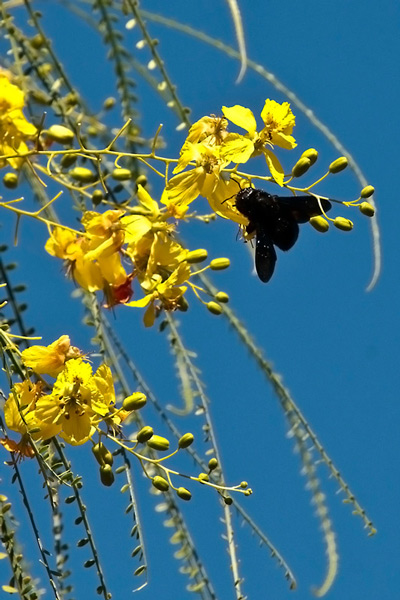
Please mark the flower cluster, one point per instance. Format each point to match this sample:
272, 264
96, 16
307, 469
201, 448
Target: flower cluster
212, 148
115, 249
14, 128
72, 407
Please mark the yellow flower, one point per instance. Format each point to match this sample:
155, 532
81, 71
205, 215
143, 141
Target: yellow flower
19, 411
202, 179
78, 402
166, 293
50, 359
147, 220
165, 256
210, 130
94, 259
14, 128
278, 125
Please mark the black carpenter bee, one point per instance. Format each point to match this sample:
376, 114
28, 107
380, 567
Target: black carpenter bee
275, 222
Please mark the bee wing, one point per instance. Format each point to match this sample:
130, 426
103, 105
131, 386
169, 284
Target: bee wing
285, 231
265, 255
302, 208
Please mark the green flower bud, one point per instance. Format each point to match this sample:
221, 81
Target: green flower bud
301, 167
218, 264
121, 174
60, 134
311, 154
45, 69
37, 41
222, 297
141, 180
338, 165
144, 434
186, 440
135, 401
157, 442
109, 103
367, 191
212, 464
97, 197
183, 493
183, 304
196, 256
106, 475
319, 223
92, 130
367, 209
203, 477
160, 483
102, 454
214, 308
244, 485
68, 160
72, 99
82, 174
248, 492
343, 224
10, 180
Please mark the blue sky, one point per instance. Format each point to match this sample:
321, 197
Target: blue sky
336, 345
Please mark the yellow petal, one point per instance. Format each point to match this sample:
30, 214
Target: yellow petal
237, 148
222, 201
147, 201
185, 187
274, 166
242, 117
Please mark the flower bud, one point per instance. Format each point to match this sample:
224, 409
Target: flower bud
222, 297
186, 440
338, 165
141, 180
37, 41
343, 224
60, 134
182, 304
68, 160
319, 223
106, 475
196, 256
311, 154
144, 434
367, 209
82, 174
212, 464
109, 103
102, 454
214, 308
157, 442
218, 264
301, 167
135, 401
367, 191
203, 477
160, 483
97, 197
228, 500
183, 493
10, 180
121, 174
244, 485
92, 130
